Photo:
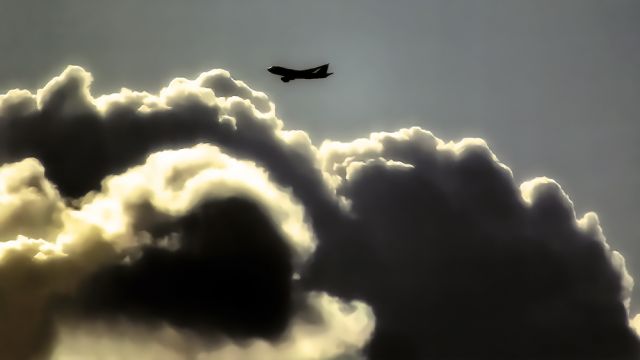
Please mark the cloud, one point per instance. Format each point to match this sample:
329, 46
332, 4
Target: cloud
344, 329
635, 324
246, 250
468, 264
44, 252
29, 204
191, 224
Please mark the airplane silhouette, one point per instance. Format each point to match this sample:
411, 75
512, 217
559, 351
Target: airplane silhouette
319, 72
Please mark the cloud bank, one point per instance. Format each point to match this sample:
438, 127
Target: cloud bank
190, 224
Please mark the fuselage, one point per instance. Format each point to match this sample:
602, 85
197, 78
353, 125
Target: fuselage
279, 70
291, 74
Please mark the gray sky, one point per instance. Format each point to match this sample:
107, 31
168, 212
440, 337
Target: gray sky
552, 85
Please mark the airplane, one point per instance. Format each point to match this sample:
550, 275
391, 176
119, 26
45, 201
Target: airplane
319, 72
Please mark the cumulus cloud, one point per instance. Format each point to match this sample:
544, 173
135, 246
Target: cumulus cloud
189, 223
344, 328
44, 252
488, 269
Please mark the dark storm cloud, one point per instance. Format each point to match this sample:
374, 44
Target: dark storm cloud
455, 260
79, 147
223, 263
466, 267
232, 274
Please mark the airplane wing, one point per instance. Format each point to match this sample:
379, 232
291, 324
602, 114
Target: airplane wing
322, 69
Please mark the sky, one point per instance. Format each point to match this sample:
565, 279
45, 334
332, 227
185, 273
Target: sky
553, 87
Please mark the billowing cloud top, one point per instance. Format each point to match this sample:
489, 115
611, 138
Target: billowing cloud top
191, 224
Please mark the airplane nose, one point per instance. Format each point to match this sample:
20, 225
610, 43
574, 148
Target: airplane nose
270, 69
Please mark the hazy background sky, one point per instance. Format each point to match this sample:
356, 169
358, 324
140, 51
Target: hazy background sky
552, 85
